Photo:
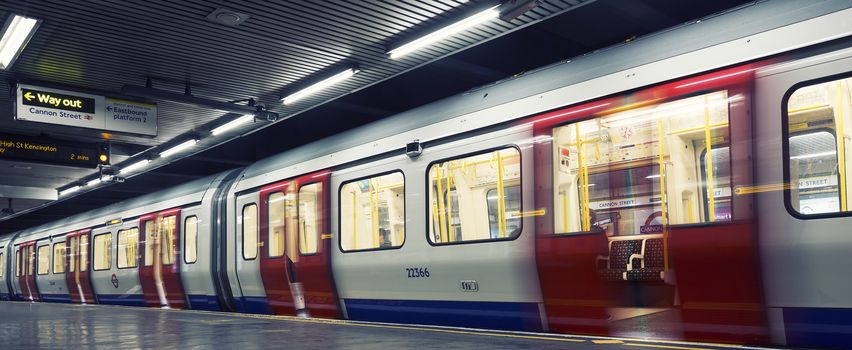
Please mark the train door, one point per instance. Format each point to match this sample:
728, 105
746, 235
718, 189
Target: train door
26, 278
77, 267
646, 237
276, 268
249, 289
313, 256
159, 261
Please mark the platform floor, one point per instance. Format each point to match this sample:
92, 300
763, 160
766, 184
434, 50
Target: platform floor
62, 326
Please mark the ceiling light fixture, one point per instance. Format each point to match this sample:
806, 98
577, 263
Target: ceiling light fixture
232, 124
93, 182
179, 148
138, 165
69, 190
319, 86
445, 32
16, 34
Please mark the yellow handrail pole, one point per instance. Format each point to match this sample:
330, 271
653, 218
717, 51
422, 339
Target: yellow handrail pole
708, 160
501, 199
374, 212
440, 198
841, 146
354, 220
583, 207
565, 211
664, 217
435, 215
586, 196
449, 202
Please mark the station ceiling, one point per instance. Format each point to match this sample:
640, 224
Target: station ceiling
106, 46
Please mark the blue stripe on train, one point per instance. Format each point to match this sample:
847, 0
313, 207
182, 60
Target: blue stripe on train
56, 298
122, 299
204, 302
252, 305
818, 327
475, 314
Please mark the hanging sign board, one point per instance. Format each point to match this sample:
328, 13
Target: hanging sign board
50, 151
69, 108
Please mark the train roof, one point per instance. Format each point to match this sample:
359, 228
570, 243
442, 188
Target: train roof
720, 28
194, 188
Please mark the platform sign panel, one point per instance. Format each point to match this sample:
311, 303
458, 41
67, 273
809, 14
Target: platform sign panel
70, 108
49, 151
131, 117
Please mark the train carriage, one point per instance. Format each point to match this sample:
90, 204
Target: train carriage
694, 192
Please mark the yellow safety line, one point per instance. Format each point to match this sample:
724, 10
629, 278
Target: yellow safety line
708, 161
501, 199
663, 196
841, 146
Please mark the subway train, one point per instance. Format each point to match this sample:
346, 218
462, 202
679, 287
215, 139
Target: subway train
688, 185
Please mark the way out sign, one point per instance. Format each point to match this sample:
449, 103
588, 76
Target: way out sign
75, 109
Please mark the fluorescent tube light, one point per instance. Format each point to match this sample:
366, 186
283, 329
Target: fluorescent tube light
445, 32
179, 148
319, 86
93, 182
138, 165
69, 190
17, 33
233, 124
815, 155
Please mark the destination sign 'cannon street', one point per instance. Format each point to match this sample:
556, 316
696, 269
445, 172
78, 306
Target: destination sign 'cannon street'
69, 108
50, 151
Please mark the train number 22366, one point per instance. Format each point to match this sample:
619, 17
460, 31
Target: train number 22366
417, 272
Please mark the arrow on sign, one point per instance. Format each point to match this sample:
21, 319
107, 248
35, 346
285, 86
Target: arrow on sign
28, 96
109, 108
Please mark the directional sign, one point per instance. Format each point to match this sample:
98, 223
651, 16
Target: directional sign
46, 150
69, 108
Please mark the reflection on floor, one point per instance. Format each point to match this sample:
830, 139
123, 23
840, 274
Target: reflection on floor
645, 322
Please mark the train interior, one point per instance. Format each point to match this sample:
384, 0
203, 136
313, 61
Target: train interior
457, 189
819, 160
373, 210
629, 173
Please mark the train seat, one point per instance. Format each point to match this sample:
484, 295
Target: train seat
620, 252
648, 265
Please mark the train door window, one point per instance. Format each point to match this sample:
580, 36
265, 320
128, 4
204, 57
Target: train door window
18, 262
819, 127
482, 200
633, 172
167, 239
309, 217
372, 213
73, 252
84, 252
128, 241
31, 260
59, 257
721, 182
277, 206
2, 264
43, 259
190, 239
150, 236
102, 255
250, 232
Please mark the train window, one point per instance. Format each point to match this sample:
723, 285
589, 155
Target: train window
59, 257
309, 217
18, 262
31, 260
102, 254
475, 198
249, 220
190, 239
72, 254
277, 206
608, 174
128, 242
150, 236
43, 259
167, 239
2, 264
84, 252
372, 213
819, 127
